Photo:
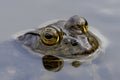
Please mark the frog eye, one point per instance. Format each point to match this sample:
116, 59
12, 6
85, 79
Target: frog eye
50, 36
78, 23
83, 25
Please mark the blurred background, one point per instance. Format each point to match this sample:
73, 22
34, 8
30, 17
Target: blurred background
19, 15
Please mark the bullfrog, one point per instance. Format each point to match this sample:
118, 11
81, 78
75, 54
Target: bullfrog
67, 39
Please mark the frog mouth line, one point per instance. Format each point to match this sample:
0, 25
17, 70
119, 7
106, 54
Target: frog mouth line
21, 38
32, 33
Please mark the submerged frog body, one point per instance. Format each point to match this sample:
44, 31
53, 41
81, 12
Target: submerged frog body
70, 39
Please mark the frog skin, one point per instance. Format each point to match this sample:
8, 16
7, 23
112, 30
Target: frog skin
70, 39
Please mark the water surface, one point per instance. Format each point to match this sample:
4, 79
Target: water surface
19, 15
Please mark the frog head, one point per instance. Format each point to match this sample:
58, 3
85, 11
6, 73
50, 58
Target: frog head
62, 38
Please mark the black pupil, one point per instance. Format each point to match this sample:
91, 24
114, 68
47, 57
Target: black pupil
48, 36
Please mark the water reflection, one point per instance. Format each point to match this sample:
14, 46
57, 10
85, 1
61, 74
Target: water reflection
55, 64
52, 63
16, 62
76, 64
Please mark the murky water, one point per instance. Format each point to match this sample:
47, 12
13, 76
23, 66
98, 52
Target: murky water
17, 64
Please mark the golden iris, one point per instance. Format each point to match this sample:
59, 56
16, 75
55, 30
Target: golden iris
50, 36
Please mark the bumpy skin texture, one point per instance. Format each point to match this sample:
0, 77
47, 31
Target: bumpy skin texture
73, 39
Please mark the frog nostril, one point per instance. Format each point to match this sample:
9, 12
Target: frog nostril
74, 42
